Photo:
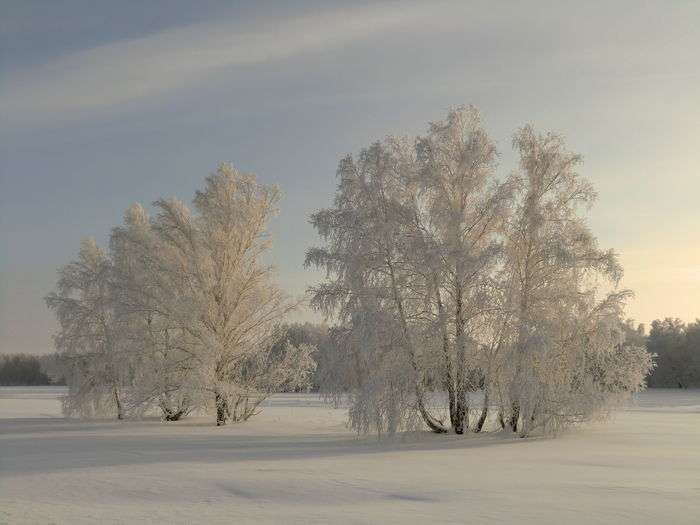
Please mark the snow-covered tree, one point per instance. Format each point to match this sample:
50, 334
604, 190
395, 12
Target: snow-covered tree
460, 208
160, 350
414, 232
566, 339
372, 287
90, 340
183, 313
443, 277
209, 287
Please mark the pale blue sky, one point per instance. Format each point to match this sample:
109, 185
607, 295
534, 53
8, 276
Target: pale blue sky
107, 103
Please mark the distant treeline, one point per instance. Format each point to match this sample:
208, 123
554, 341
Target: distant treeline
677, 348
676, 345
29, 370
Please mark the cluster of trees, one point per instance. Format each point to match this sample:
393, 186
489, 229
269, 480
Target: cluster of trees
446, 280
443, 280
677, 349
180, 313
675, 346
21, 370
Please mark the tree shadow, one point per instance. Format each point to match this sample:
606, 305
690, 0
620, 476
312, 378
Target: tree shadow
30, 446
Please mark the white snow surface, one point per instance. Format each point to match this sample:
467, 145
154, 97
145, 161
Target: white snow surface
297, 463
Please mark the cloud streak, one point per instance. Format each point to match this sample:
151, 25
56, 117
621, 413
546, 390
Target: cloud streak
113, 75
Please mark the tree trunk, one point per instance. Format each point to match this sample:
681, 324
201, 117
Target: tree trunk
118, 403
484, 412
172, 415
433, 424
515, 415
459, 416
173, 410
222, 409
517, 390
449, 375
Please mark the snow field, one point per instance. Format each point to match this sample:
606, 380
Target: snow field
297, 463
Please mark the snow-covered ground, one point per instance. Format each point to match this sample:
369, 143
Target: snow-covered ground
297, 463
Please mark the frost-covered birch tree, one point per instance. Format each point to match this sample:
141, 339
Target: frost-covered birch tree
90, 339
182, 313
568, 337
414, 228
460, 208
161, 351
445, 278
222, 297
372, 287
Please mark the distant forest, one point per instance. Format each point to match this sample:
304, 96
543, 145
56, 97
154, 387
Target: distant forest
677, 348
28, 370
676, 345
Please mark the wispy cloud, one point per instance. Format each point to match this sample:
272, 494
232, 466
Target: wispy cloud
132, 70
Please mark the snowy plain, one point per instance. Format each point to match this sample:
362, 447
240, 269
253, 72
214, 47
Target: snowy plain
296, 462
